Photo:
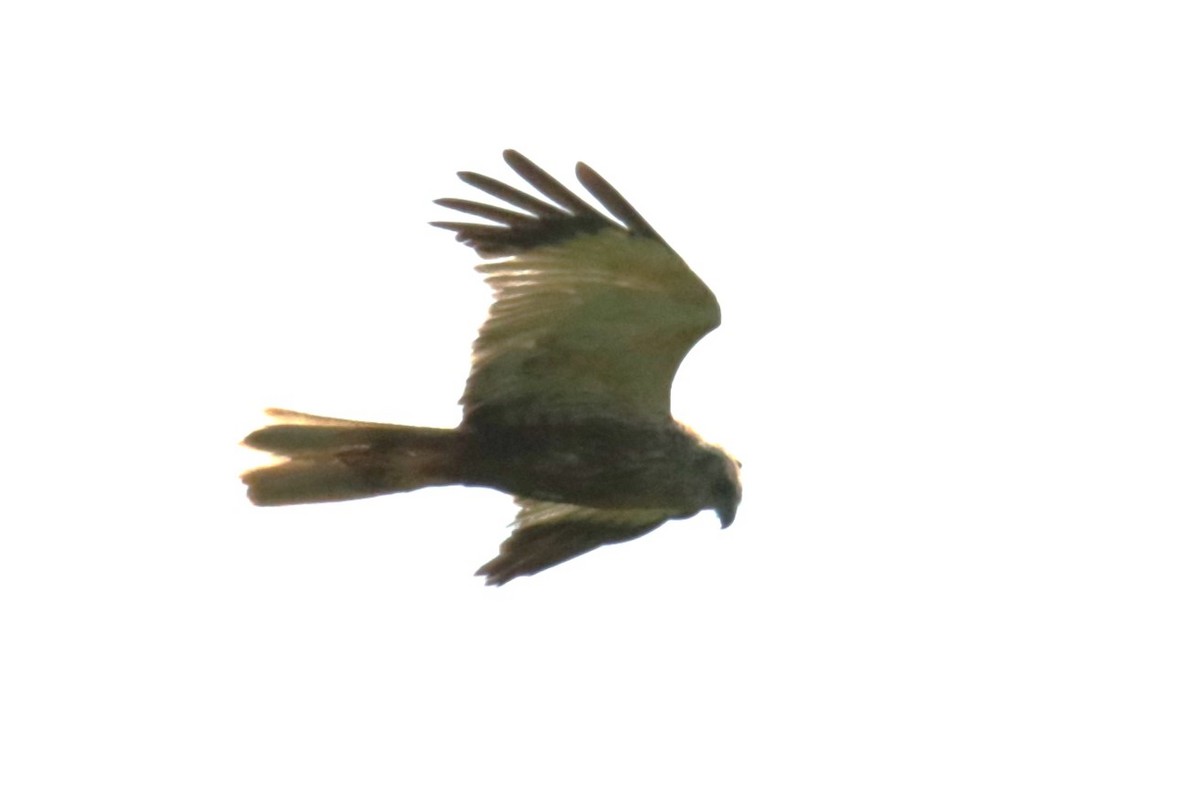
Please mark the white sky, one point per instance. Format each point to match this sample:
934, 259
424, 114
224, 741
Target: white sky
957, 256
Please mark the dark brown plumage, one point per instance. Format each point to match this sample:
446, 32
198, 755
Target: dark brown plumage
567, 406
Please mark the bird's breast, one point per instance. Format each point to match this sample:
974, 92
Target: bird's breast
598, 463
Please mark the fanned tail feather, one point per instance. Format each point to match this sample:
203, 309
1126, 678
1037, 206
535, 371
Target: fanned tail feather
328, 459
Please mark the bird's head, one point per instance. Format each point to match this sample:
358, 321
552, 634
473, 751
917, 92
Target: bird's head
726, 492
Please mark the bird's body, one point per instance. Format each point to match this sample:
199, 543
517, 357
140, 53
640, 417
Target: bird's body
568, 404
601, 464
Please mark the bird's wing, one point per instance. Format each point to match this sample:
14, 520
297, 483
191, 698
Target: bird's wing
591, 315
551, 533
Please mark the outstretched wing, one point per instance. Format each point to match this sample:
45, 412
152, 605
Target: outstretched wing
591, 316
551, 533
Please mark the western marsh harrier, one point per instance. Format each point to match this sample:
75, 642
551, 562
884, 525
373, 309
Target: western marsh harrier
568, 403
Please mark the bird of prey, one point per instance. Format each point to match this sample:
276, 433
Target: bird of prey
568, 404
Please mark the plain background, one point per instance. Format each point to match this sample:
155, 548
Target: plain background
956, 249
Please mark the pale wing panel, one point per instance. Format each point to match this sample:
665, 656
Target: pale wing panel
596, 324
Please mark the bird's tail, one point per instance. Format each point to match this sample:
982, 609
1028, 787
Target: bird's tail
330, 459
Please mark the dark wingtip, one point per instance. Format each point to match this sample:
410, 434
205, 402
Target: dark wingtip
534, 221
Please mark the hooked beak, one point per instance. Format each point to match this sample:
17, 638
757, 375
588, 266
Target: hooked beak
726, 515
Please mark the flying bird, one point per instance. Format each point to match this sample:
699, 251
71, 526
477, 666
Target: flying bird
568, 403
